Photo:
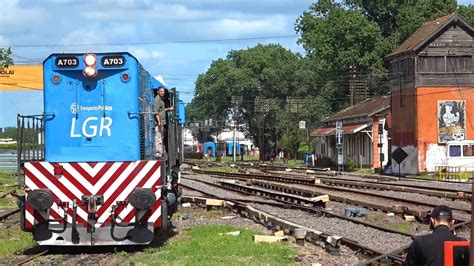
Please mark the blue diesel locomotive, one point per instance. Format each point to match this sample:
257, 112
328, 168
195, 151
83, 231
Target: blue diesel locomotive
99, 183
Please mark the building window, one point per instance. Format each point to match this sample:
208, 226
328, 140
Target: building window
468, 150
455, 151
407, 66
459, 64
394, 68
431, 64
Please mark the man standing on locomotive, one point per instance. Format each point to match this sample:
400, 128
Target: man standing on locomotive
159, 121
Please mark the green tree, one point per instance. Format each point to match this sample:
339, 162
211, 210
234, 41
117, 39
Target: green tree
349, 39
339, 40
398, 19
467, 12
269, 71
5, 57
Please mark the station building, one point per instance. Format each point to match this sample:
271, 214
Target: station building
431, 83
365, 134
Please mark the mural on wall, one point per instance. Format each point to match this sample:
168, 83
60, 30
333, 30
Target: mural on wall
451, 120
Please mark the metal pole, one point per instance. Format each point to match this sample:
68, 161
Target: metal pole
261, 139
234, 150
471, 255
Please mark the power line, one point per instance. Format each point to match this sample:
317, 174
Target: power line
154, 42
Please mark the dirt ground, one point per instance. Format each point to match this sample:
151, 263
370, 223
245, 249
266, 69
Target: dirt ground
186, 217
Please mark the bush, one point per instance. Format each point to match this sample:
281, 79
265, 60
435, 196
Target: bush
351, 164
304, 147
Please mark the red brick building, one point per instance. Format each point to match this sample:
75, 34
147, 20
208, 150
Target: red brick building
431, 80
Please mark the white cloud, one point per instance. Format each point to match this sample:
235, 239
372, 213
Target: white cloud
241, 27
157, 54
17, 19
87, 35
4, 41
143, 54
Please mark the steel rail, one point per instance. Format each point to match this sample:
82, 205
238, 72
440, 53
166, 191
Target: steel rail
311, 182
309, 192
288, 205
31, 257
354, 245
379, 181
4, 215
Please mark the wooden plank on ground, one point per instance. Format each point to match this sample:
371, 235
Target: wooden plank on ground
323, 198
268, 239
214, 202
279, 233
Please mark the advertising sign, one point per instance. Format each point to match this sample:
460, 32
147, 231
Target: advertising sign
23, 77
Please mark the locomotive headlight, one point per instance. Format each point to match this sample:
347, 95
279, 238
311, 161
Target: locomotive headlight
90, 71
90, 59
40, 199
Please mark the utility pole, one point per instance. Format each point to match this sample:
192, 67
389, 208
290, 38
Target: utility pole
236, 101
294, 107
340, 146
261, 107
351, 83
380, 145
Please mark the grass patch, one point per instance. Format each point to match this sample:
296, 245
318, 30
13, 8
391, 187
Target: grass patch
8, 146
7, 203
366, 171
198, 213
226, 169
7, 178
400, 227
13, 240
393, 224
226, 159
204, 246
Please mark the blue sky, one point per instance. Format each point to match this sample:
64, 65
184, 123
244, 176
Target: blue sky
52, 26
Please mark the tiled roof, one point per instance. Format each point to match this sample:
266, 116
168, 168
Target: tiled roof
346, 129
425, 32
365, 108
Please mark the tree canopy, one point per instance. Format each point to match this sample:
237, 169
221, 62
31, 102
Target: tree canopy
267, 71
5, 57
345, 43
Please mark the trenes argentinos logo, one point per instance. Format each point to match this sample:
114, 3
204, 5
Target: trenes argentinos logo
76, 107
73, 108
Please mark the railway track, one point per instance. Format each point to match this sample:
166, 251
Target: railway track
462, 194
332, 190
397, 185
7, 213
316, 170
286, 201
396, 256
353, 244
32, 257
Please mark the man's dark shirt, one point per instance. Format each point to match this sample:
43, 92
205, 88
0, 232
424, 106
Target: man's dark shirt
429, 249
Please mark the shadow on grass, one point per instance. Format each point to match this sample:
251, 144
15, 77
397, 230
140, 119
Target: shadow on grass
160, 240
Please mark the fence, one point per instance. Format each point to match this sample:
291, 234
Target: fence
452, 173
30, 145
